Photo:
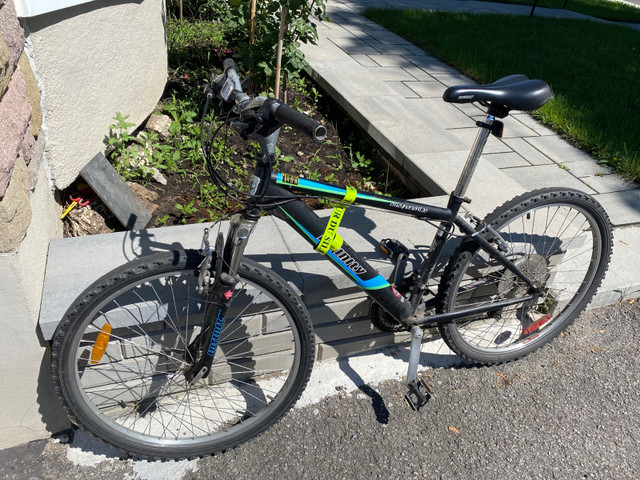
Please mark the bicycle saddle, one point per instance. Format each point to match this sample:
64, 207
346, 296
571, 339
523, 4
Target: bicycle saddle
515, 92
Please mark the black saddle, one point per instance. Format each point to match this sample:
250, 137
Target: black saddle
515, 92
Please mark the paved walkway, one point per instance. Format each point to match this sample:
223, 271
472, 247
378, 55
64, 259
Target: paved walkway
394, 91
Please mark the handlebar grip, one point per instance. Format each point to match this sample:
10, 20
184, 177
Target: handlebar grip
231, 72
285, 114
229, 64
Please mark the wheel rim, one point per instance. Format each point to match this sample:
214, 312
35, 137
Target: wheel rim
565, 267
136, 389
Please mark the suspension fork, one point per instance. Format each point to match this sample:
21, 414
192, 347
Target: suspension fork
221, 293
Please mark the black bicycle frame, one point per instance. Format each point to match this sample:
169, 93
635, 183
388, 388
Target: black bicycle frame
293, 211
278, 198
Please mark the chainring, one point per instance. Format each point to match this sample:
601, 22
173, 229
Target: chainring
383, 321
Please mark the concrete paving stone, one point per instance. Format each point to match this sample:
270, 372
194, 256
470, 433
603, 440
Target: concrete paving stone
445, 169
505, 160
430, 65
470, 109
403, 90
514, 128
69, 255
339, 309
418, 73
587, 168
415, 50
607, 183
541, 176
390, 60
427, 89
364, 60
407, 134
468, 136
337, 68
387, 37
532, 155
390, 74
387, 49
558, 149
358, 327
621, 281
623, 207
335, 31
438, 115
449, 79
354, 46
336, 349
528, 121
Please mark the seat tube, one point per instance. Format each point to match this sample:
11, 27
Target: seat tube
474, 156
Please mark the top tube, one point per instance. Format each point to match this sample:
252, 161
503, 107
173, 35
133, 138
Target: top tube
393, 204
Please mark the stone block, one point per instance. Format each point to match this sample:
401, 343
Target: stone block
403, 90
506, 160
11, 44
15, 209
586, 168
5, 67
528, 121
391, 74
546, 176
67, 259
427, 89
526, 151
607, 183
558, 150
364, 60
33, 93
623, 208
115, 193
15, 112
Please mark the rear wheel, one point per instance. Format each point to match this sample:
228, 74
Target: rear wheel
561, 239
119, 357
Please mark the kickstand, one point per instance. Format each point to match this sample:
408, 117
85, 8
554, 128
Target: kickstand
419, 391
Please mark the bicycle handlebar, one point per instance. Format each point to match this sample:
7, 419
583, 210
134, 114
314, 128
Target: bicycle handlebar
285, 114
282, 112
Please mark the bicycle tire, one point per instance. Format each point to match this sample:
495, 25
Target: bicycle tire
134, 394
560, 238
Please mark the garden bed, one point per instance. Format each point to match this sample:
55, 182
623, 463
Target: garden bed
188, 196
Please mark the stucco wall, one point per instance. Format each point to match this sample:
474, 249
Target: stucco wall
94, 60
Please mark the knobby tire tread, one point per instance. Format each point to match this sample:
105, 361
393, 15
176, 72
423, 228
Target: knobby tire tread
459, 262
153, 264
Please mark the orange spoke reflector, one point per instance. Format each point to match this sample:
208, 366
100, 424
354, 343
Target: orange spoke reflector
100, 345
536, 325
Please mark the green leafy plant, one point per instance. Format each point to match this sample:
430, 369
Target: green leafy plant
186, 211
260, 56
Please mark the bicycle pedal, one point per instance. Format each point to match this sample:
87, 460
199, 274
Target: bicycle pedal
420, 392
392, 247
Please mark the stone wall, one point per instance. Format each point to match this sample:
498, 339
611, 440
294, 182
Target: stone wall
63, 76
29, 219
20, 122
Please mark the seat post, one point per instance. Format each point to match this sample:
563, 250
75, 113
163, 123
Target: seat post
474, 156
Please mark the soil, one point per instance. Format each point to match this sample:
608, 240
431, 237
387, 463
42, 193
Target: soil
299, 155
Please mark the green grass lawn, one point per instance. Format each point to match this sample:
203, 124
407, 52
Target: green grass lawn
593, 69
607, 10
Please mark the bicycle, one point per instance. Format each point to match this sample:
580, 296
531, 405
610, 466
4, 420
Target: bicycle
186, 353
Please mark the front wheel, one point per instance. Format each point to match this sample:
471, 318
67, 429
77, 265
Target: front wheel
120, 354
561, 239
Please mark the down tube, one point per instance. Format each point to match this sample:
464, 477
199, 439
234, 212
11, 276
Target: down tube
311, 227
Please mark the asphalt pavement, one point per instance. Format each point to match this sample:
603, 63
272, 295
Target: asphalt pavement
569, 411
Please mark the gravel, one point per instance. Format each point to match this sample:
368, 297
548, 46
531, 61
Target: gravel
569, 411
